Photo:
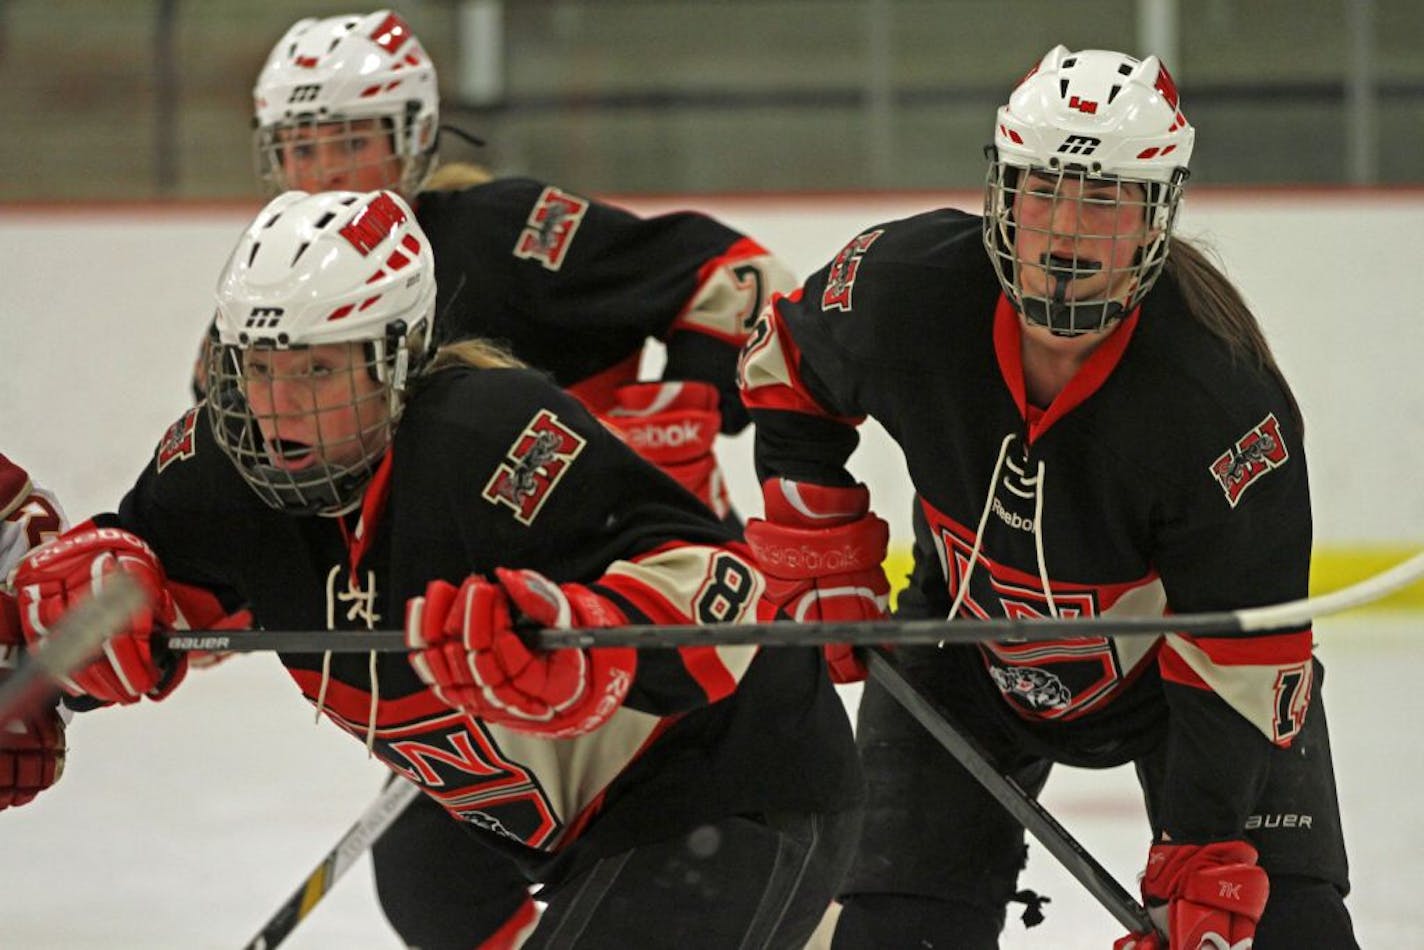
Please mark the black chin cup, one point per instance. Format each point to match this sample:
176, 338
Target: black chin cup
1074, 319
1060, 316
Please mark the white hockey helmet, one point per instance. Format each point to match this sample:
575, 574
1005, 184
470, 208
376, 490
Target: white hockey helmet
324, 75
330, 268
1099, 116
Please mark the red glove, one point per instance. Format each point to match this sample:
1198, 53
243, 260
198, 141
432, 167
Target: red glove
467, 649
50, 579
1204, 897
31, 745
31, 755
674, 425
821, 551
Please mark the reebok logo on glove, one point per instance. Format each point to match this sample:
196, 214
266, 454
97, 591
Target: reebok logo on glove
814, 561
675, 435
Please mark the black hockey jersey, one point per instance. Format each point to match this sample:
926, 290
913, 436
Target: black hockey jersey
1168, 477
576, 286
498, 467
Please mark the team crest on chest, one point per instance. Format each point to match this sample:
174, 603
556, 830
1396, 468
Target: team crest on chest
178, 442
533, 466
841, 280
1254, 454
550, 228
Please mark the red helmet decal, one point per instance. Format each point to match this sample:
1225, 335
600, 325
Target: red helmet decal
1166, 86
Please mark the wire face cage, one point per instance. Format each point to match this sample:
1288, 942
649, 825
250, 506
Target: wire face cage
1075, 249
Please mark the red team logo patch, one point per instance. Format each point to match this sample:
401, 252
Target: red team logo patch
550, 228
1254, 454
533, 466
177, 443
841, 280
373, 223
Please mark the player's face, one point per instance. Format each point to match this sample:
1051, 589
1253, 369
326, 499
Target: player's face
338, 156
1076, 237
315, 406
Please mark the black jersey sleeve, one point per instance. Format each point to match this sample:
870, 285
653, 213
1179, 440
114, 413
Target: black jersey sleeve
1240, 537
575, 286
505, 469
191, 507
822, 358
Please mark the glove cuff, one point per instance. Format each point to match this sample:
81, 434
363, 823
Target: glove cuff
807, 505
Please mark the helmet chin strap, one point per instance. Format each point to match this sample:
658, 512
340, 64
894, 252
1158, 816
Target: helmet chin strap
1056, 314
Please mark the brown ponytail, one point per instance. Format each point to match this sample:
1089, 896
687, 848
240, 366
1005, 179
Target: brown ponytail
1216, 302
476, 352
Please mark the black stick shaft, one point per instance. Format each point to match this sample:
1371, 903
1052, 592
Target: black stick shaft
784, 633
1033, 816
1290, 615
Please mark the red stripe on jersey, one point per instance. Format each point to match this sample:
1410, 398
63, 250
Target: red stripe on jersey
1278, 649
1281, 650
777, 342
702, 664
1175, 670
706, 667
651, 604
1009, 581
510, 934
1008, 347
742, 249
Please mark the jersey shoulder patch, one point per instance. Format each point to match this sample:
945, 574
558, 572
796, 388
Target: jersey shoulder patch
1262, 449
179, 442
533, 466
550, 227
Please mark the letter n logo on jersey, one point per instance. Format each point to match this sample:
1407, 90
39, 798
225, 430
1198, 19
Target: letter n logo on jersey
533, 466
177, 443
841, 280
550, 228
1254, 454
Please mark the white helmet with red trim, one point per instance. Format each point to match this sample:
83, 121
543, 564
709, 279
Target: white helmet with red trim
328, 75
1095, 116
310, 271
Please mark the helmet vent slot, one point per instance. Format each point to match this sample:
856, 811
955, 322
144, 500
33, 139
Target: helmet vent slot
302, 249
1112, 93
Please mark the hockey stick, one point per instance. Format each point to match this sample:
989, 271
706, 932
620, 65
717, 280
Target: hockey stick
786, 633
1033, 816
70, 644
373, 822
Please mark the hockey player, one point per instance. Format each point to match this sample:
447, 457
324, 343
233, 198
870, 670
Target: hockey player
1094, 425
336, 478
571, 285
32, 746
